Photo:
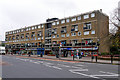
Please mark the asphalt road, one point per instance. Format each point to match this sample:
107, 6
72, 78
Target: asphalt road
35, 68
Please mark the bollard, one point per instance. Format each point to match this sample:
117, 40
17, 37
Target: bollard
92, 58
96, 58
41, 55
111, 59
73, 57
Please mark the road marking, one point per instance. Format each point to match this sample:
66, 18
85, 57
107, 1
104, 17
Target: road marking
36, 62
40, 61
80, 65
75, 67
108, 73
61, 65
53, 66
79, 69
57, 67
73, 71
105, 75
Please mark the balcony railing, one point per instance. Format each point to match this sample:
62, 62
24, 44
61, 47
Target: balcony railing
63, 31
72, 29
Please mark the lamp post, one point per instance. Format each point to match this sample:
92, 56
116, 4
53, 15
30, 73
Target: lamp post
98, 47
92, 57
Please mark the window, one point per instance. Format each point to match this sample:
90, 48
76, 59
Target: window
74, 28
32, 28
93, 15
39, 27
79, 18
86, 33
87, 26
67, 35
79, 33
57, 36
63, 35
75, 41
29, 28
73, 34
42, 25
57, 22
39, 38
86, 16
53, 36
63, 29
74, 19
35, 27
63, 21
67, 20
92, 32
39, 33
21, 30
42, 37
53, 23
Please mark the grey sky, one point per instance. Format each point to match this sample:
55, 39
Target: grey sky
15, 14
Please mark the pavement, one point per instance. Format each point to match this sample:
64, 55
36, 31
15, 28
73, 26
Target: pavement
70, 58
36, 67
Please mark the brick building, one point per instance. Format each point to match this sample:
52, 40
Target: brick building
86, 33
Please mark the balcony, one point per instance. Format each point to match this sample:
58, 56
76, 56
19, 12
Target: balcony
54, 32
87, 28
72, 30
63, 31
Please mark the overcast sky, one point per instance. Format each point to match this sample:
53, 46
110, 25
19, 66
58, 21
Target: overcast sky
15, 14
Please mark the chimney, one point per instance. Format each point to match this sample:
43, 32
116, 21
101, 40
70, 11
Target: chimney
100, 10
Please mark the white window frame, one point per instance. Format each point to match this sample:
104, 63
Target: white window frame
73, 19
42, 25
93, 32
62, 21
86, 16
67, 20
57, 22
76, 28
93, 15
53, 36
39, 27
27, 29
54, 23
38, 38
67, 35
33, 28
79, 17
63, 35
86, 33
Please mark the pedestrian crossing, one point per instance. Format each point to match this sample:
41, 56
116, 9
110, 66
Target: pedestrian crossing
79, 69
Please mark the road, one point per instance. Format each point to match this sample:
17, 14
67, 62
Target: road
17, 67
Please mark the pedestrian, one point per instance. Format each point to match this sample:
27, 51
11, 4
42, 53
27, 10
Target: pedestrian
79, 54
29, 53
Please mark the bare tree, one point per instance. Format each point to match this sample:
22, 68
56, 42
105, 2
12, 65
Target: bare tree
115, 29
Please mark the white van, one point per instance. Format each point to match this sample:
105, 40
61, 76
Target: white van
2, 50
